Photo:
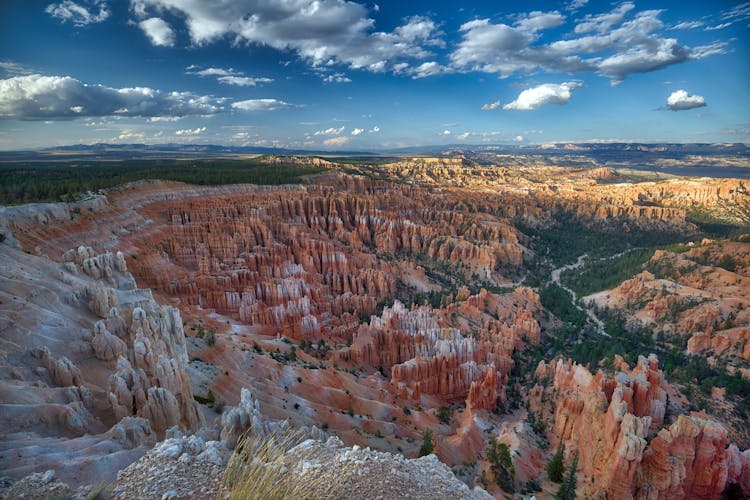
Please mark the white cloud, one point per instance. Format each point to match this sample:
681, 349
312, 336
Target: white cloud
680, 100
336, 141
197, 131
426, 69
717, 27
227, 76
158, 31
601, 23
322, 32
491, 106
548, 93
14, 69
330, 131
79, 15
337, 78
165, 118
261, 105
243, 81
374, 130
660, 54
357, 131
463, 136
518, 138
615, 44
688, 25
574, 5
193, 70
37, 97
446, 132
130, 135
739, 13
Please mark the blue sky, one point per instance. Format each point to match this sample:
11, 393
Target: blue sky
330, 74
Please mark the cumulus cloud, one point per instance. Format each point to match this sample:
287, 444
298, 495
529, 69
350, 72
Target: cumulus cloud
194, 70
491, 106
680, 100
357, 131
196, 131
463, 136
322, 32
37, 97
261, 105
337, 78
548, 93
336, 141
77, 14
446, 132
430, 68
615, 44
601, 23
228, 76
374, 130
158, 31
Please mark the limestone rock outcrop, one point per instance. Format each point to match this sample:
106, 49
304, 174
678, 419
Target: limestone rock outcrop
80, 397
424, 357
238, 420
616, 425
107, 347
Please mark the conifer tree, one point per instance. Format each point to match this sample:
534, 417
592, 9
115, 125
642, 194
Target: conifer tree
567, 489
426, 447
555, 466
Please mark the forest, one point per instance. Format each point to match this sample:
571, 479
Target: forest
56, 181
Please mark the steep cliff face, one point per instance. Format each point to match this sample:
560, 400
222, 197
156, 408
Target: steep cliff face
616, 425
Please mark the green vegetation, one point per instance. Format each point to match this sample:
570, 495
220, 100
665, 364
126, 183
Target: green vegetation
498, 455
532, 486
556, 467
55, 181
630, 340
444, 414
426, 447
560, 303
568, 238
607, 273
209, 400
567, 489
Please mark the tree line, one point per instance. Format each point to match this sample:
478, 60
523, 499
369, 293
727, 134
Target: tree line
28, 183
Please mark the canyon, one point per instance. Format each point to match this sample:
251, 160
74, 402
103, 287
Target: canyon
371, 303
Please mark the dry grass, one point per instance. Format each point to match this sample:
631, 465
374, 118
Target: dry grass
261, 468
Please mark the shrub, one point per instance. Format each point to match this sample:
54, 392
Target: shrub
426, 447
260, 468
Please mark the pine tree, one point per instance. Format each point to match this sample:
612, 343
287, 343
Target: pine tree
567, 489
555, 466
498, 455
426, 447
